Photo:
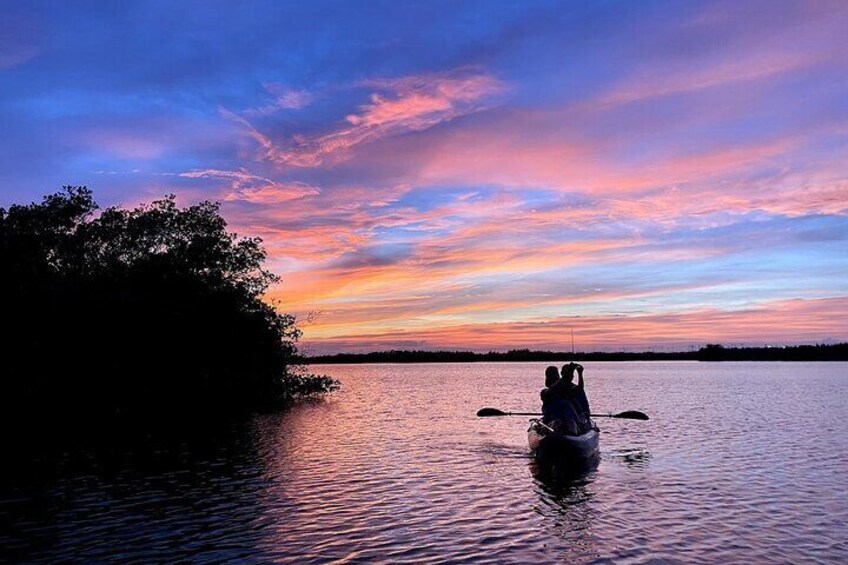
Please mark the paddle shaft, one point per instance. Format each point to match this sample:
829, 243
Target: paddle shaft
628, 415
540, 414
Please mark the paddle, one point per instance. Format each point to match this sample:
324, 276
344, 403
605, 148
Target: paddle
627, 415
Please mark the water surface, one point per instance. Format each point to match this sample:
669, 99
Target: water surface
739, 462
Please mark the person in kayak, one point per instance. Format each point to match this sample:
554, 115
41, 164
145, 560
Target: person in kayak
578, 395
559, 411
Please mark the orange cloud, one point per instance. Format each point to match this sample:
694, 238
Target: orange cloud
451, 275
788, 321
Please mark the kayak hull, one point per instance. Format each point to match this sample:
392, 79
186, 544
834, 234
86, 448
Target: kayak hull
564, 448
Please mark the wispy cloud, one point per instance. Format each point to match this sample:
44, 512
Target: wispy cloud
398, 105
307, 233
290, 98
284, 98
247, 187
720, 73
10, 58
19, 37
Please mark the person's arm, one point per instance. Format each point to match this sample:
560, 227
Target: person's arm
580, 377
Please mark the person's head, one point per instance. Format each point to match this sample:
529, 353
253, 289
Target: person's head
551, 376
568, 371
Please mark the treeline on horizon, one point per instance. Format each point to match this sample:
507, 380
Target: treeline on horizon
146, 312
710, 352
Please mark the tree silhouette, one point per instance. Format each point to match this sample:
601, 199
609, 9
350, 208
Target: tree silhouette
154, 309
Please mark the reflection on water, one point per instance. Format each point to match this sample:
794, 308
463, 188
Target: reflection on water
566, 495
555, 473
738, 461
170, 499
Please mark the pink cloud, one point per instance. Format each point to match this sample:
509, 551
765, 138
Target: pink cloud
518, 150
662, 82
399, 106
247, 187
307, 232
800, 36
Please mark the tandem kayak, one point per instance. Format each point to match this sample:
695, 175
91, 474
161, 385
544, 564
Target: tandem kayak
549, 445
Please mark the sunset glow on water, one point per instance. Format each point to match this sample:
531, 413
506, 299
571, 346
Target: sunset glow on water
475, 175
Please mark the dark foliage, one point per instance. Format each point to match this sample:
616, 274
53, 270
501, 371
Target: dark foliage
822, 352
515, 355
151, 310
712, 352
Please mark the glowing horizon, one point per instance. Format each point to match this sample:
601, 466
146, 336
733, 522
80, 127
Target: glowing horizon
470, 176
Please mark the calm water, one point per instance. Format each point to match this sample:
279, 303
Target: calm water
740, 462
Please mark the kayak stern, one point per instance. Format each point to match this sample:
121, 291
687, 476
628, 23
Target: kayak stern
551, 445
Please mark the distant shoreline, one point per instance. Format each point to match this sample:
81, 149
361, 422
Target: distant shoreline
712, 352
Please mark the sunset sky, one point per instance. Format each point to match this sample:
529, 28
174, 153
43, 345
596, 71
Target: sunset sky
468, 175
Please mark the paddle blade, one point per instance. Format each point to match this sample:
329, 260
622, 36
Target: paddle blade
632, 415
484, 412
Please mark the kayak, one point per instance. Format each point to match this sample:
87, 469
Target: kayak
550, 445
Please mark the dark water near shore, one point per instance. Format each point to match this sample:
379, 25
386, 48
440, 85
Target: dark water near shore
739, 462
